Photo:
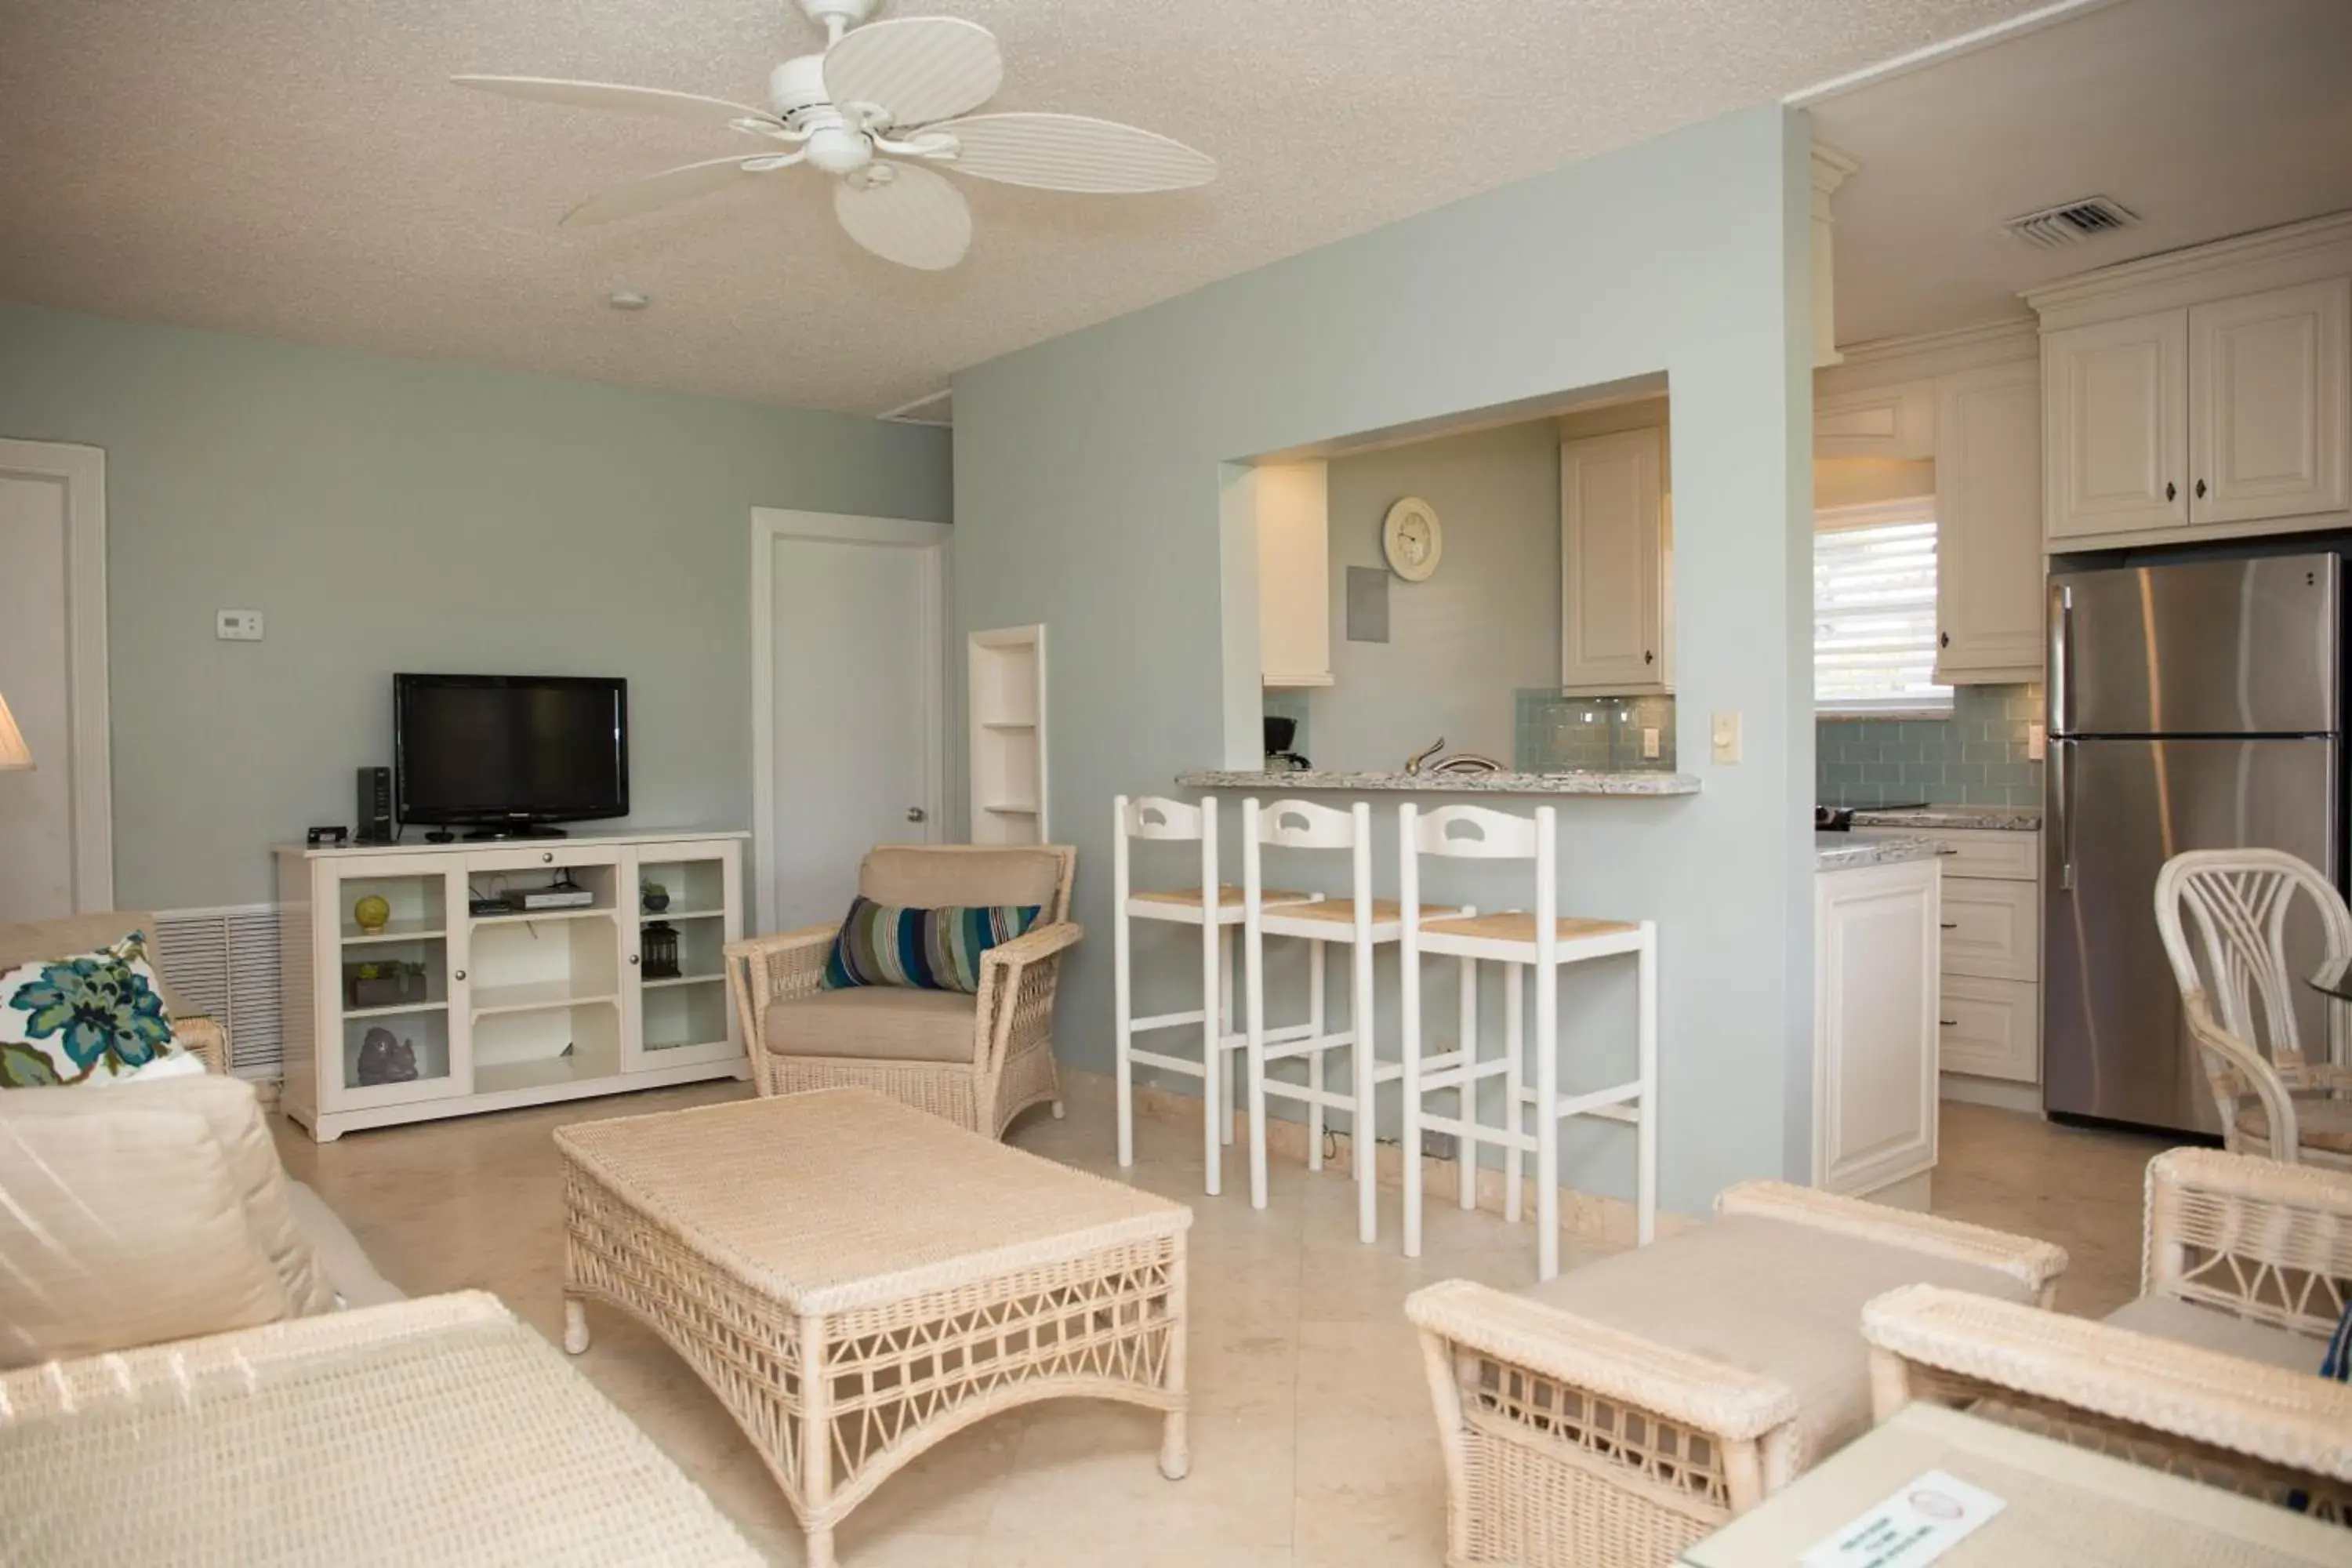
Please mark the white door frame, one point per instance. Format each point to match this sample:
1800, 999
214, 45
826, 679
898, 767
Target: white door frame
931, 543
82, 471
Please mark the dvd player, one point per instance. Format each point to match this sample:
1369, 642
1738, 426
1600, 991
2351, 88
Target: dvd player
563, 897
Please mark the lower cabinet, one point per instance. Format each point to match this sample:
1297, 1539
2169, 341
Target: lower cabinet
404, 997
1992, 1028
1875, 992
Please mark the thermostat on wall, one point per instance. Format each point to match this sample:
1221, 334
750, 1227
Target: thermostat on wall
238, 625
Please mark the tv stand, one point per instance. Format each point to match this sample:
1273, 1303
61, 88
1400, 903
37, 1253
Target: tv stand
516, 830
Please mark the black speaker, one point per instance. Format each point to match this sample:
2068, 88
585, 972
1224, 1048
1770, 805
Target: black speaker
374, 806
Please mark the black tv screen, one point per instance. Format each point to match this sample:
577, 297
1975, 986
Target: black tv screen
489, 748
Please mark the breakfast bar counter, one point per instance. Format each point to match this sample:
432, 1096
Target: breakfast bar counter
1587, 783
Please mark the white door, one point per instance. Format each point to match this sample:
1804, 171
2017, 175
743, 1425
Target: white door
1989, 525
853, 748
1612, 563
54, 832
2116, 407
2267, 422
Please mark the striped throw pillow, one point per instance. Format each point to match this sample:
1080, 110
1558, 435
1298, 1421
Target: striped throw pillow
929, 950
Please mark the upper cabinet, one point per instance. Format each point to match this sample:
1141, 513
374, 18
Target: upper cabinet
1988, 605
1615, 565
1292, 501
2266, 403
2206, 392
1893, 422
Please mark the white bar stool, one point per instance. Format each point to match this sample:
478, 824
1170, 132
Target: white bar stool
1216, 909
1362, 923
1544, 942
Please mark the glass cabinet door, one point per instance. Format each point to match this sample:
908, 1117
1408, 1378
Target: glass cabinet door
688, 907
389, 960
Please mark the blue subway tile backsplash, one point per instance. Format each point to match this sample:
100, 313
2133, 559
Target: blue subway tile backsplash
1976, 757
1556, 733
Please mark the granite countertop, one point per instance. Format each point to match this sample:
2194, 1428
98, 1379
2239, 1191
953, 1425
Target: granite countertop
1586, 783
1843, 851
1999, 818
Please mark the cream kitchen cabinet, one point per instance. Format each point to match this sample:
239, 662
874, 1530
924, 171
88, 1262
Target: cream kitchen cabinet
1891, 423
2208, 392
1876, 987
1988, 561
1616, 565
1292, 501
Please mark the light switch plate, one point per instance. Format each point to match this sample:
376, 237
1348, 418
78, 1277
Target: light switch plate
2037, 741
238, 625
1724, 737
1650, 744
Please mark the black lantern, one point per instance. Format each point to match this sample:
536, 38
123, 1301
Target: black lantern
661, 951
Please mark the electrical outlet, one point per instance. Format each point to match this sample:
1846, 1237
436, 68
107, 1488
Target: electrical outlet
1724, 735
1650, 744
238, 625
1439, 1146
2037, 741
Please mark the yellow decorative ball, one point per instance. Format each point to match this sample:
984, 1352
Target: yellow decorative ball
370, 913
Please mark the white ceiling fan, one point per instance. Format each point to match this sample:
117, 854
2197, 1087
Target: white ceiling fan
877, 111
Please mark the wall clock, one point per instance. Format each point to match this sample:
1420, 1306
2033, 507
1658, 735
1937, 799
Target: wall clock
1412, 539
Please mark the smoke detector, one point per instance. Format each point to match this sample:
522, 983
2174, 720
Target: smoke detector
628, 299
2071, 223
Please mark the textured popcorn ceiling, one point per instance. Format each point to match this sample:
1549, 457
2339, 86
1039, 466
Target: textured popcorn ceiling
301, 168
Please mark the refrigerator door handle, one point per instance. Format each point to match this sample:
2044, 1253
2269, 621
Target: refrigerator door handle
2062, 803
2061, 652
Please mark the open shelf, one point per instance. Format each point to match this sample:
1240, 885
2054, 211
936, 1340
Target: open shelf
1008, 724
542, 916
538, 1072
683, 1014
423, 1034
535, 1047
646, 919
1011, 808
535, 997
396, 1010
1007, 753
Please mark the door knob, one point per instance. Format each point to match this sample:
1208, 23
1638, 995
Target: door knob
916, 813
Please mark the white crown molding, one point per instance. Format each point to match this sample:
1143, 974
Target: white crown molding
909, 411
1886, 362
1878, 350
1950, 49
2246, 263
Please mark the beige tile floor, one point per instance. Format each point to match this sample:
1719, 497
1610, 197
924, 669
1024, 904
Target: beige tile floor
1311, 1435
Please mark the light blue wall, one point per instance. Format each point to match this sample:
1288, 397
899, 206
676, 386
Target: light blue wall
1088, 497
389, 514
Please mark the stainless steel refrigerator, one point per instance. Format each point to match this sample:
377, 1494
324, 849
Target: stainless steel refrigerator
2192, 706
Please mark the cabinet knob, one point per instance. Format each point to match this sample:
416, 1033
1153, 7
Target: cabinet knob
459, 975
633, 961
1949, 1023
2199, 491
1943, 639
2170, 489
1951, 925
547, 856
1648, 657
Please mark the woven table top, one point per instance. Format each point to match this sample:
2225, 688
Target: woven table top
840, 1198
437, 1431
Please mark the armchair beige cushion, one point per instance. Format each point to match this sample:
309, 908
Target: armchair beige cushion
1771, 1297
230, 1113
876, 1022
2208, 1328
122, 1230
919, 876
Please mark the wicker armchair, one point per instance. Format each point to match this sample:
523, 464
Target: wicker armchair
1610, 1417
2239, 903
2212, 1373
978, 1061
21, 941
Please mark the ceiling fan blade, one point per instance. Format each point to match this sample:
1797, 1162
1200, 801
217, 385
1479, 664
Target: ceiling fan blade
913, 217
1073, 152
626, 100
920, 69
678, 185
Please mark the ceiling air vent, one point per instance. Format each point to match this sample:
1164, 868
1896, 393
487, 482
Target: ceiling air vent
2071, 223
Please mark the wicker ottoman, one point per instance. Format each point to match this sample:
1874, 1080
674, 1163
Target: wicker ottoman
437, 1431
855, 1279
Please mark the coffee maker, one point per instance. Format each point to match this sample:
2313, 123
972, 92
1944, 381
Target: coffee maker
1281, 733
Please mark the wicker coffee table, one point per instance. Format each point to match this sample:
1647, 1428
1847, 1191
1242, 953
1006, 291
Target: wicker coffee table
437, 1431
855, 1279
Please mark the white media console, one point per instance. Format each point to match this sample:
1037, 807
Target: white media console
509, 1009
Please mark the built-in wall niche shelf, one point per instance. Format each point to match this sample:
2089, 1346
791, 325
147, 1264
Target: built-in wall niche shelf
518, 1009
1007, 676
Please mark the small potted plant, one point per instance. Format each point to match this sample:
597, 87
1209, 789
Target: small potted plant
383, 983
655, 898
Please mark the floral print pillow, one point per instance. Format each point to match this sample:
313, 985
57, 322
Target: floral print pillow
84, 1019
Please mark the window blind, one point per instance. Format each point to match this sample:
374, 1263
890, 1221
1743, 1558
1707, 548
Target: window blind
1875, 618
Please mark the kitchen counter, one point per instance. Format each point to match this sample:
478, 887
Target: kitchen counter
1843, 851
1570, 784
1997, 818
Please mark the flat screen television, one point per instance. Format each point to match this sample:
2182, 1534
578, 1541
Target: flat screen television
510, 753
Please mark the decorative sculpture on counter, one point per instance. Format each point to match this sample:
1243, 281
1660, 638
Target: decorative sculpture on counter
384, 1059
